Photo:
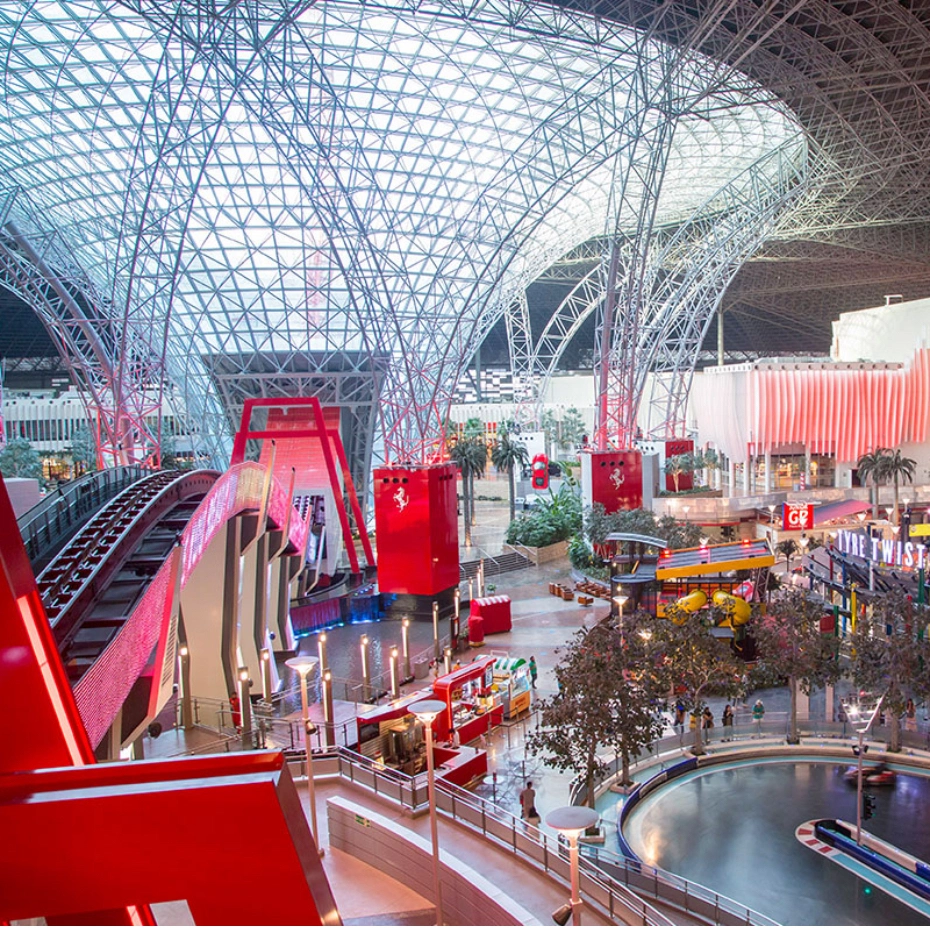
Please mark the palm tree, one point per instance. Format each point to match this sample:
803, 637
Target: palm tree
898, 467
872, 465
787, 547
471, 456
711, 464
507, 454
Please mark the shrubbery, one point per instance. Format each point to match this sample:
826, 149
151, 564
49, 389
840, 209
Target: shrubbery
556, 519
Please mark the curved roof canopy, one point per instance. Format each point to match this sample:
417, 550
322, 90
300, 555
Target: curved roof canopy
323, 184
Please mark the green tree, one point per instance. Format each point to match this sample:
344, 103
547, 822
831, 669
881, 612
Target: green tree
891, 655
572, 428
897, 468
791, 645
678, 534
678, 465
506, 455
788, 548
19, 459
697, 662
871, 468
470, 454
83, 450
600, 704
711, 464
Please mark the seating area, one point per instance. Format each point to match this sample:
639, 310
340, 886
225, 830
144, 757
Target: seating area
587, 591
594, 589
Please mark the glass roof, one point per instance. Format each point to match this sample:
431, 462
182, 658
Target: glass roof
356, 178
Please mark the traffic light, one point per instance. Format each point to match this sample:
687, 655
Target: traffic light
540, 473
868, 806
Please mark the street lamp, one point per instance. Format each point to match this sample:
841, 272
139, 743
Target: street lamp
620, 600
426, 712
303, 665
573, 821
687, 510
861, 715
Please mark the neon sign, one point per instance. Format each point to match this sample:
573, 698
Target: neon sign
891, 552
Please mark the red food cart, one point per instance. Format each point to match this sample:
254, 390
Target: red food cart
472, 706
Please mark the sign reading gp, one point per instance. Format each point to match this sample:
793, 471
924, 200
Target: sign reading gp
797, 516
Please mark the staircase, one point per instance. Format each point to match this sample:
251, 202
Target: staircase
496, 565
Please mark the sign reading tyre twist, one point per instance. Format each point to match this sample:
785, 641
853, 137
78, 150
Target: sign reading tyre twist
797, 516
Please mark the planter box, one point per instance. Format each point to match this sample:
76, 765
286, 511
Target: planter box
541, 554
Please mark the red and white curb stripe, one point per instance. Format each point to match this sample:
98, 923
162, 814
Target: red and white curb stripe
805, 835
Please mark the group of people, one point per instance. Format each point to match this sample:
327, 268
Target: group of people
707, 719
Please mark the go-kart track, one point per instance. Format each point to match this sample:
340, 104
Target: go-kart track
731, 827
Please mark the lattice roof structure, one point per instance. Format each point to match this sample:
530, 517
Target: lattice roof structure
237, 198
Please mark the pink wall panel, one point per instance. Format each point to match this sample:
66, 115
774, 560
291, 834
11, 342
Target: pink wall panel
840, 411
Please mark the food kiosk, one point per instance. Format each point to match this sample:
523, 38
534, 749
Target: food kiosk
392, 736
472, 706
513, 685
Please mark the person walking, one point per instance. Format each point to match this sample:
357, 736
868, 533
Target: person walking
728, 724
680, 718
528, 804
534, 671
758, 712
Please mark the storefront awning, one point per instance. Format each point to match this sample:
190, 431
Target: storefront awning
823, 513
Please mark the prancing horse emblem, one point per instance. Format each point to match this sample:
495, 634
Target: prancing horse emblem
401, 498
616, 476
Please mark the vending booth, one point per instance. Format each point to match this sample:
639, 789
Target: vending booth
472, 705
393, 737
512, 684
390, 734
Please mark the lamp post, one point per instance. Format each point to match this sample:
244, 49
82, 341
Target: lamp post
436, 652
329, 725
321, 648
244, 685
573, 821
185, 676
267, 687
686, 509
620, 600
395, 678
303, 665
405, 645
862, 719
426, 712
364, 643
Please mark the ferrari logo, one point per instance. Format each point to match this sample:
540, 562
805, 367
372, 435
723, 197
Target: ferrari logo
401, 499
616, 476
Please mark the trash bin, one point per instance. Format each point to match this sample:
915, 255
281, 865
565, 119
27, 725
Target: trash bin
421, 669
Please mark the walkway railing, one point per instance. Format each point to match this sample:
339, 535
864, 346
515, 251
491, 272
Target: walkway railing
675, 890
55, 518
545, 852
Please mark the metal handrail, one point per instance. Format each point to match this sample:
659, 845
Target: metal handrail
658, 882
71, 505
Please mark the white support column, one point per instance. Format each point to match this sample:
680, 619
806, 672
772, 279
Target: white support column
747, 475
731, 469
768, 471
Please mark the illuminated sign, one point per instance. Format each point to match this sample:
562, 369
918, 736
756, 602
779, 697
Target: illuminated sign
797, 516
909, 555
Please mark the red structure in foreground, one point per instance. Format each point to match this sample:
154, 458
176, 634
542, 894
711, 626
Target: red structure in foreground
88, 844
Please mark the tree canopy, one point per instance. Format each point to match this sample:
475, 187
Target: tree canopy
608, 701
